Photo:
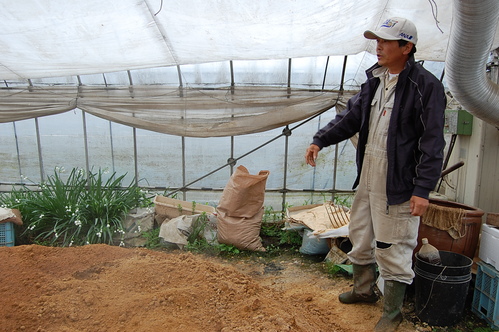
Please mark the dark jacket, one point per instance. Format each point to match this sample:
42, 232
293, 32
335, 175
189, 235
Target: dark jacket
415, 140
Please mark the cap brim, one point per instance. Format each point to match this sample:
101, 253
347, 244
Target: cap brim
378, 34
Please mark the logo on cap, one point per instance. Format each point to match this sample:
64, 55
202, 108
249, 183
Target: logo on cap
389, 23
405, 36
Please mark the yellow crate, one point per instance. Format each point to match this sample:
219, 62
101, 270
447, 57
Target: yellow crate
172, 208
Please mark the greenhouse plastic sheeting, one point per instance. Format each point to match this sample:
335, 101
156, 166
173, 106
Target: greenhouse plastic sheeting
54, 38
64, 42
186, 112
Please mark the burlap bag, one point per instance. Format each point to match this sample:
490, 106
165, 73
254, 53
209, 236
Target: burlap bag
242, 233
240, 210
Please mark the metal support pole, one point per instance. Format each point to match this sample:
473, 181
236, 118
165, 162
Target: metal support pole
180, 84
314, 172
130, 87
232, 82
85, 135
325, 73
110, 133
231, 160
39, 144
18, 152
112, 145
135, 150
135, 156
85, 142
183, 168
343, 73
335, 171
286, 132
184, 187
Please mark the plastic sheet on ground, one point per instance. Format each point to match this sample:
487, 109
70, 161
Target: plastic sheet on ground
10, 215
325, 220
177, 230
6, 213
331, 233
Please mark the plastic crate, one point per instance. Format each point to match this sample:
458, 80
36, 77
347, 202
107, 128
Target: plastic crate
489, 245
486, 296
6, 234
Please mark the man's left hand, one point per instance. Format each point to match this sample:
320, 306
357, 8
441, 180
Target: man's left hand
418, 205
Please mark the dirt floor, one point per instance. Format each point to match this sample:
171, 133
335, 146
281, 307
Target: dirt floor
108, 288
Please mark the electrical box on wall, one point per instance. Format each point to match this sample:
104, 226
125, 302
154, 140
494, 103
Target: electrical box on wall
458, 122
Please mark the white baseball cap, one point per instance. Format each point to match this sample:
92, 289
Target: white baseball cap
395, 28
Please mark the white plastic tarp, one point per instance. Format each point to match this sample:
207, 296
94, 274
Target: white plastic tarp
57, 39
52, 38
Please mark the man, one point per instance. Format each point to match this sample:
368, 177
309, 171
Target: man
399, 116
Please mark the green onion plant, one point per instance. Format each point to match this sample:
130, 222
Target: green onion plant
84, 209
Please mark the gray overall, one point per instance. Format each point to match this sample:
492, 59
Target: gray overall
380, 233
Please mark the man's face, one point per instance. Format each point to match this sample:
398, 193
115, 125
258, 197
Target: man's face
391, 55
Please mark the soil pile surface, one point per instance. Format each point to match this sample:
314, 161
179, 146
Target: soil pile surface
106, 288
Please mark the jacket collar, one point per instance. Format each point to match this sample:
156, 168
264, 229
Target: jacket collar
408, 65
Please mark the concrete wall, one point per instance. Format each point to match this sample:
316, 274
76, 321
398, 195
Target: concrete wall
477, 182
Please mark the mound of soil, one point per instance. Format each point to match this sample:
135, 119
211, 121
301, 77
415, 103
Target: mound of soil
107, 288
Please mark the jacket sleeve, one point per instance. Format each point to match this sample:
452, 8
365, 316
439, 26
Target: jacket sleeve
343, 126
431, 143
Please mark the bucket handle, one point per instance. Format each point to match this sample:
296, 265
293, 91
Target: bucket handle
440, 277
431, 290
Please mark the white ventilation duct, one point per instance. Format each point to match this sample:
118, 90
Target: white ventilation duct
473, 30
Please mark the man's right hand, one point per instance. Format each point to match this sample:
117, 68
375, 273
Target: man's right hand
311, 154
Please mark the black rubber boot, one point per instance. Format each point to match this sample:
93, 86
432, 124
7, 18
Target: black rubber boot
364, 280
392, 306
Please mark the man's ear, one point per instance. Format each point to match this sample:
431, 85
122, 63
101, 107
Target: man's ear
408, 48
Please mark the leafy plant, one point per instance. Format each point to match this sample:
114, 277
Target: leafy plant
275, 229
202, 246
269, 215
229, 249
343, 200
271, 229
153, 241
198, 227
290, 237
180, 208
331, 268
84, 209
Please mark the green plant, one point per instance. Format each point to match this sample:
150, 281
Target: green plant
290, 237
272, 250
84, 209
331, 268
229, 249
198, 226
269, 215
153, 241
275, 229
201, 246
343, 200
271, 229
